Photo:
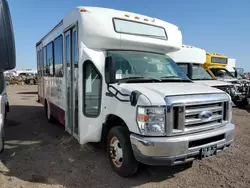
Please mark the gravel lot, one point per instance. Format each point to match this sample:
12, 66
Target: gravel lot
43, 155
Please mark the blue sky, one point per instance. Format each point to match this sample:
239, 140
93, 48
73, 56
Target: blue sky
221, 26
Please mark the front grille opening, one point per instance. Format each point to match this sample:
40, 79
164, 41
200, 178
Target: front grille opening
205, 123
197, 115
225, 110
175, 117
202, 106
206, 141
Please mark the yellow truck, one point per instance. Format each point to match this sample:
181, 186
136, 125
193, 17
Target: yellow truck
216, 65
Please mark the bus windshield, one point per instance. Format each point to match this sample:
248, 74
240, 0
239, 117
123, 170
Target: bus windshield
137, 64
199, 73
222, 73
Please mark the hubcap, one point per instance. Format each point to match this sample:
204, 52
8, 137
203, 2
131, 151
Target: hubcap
116, 153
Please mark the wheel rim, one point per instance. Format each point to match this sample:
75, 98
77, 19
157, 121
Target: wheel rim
116, 152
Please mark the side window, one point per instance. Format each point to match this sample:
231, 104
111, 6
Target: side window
92, 82
50, 60
44, 61
38, 61
58, 50
41, 63
184, 68
75, 46
68, 55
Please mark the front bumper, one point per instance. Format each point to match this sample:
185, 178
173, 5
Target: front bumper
179, 149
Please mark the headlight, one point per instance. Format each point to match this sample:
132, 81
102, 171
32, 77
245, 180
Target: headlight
151, 120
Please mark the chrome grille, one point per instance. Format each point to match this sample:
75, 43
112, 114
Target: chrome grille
183, 113
192, 120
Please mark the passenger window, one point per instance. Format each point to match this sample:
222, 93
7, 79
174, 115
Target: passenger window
92, 81
45, 61
58, 50
68, 57
50, 60
75, 46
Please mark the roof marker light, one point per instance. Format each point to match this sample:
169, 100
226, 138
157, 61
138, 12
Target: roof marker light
127, 15
83, 10
145, 19
137, 17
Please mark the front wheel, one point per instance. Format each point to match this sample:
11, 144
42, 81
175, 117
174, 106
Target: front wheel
241, 104
120, 153
1, 141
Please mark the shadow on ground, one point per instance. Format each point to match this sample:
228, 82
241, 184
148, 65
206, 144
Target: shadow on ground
40, 152
28, 93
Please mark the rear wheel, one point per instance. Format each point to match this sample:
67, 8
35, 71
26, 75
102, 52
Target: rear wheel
48, 113
120, 153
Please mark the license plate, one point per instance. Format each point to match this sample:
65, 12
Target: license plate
208, 151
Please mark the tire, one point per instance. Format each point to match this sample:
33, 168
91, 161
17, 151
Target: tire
48, 113
242, 104
120, 153
1, 141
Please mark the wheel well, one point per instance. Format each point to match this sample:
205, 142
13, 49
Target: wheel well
111, 121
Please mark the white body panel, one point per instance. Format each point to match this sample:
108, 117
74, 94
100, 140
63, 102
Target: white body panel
231, 64
189, 54
213, 83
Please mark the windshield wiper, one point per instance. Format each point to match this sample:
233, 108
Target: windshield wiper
171, 78
136, 78
202, 79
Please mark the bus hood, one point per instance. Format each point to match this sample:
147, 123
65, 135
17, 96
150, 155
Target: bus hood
213, 83
156, 92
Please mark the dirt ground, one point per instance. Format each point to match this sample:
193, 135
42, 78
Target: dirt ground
39, 154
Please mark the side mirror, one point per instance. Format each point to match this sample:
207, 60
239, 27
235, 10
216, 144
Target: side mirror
110, 70
7, 41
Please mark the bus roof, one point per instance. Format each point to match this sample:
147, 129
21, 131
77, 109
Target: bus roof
215, 59
212, 54
103, 28
189, 54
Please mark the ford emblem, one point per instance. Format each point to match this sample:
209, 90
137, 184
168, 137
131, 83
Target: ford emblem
205, 115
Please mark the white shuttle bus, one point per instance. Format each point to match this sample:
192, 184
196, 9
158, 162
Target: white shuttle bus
104, 74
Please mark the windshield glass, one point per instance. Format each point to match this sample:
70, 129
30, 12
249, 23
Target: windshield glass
199, 73
132, 64
240, 72
222, 73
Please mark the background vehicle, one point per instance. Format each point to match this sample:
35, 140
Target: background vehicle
231, 64
118, 87
7, 61
191, 60
216, 67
